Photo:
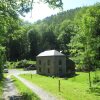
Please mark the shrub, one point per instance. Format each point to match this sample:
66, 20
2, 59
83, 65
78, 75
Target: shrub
96, 79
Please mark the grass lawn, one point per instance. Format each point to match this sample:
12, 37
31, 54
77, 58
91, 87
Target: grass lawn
76, 88
24, 91
20, 69
1, 87
11, 65
31, 62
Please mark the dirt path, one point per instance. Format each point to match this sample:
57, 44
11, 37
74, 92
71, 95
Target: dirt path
39, 91
10, 92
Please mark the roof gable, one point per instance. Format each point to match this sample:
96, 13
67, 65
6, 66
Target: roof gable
50, 53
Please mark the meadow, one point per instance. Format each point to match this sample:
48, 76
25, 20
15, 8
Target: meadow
2, 85
74, 88
1, 91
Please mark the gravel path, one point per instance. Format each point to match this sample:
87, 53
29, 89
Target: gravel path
39, 91
10, 92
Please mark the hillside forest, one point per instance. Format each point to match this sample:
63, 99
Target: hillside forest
75, 32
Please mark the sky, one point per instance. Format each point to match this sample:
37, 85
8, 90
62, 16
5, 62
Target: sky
41, 10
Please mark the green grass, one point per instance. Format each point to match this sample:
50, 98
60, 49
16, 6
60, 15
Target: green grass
76, 88
1, 87
31, 62
11, 65
24, 91
20, 69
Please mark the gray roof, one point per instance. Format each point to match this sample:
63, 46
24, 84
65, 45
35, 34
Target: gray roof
50, 53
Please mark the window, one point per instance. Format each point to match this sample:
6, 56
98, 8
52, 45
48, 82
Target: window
39, 62
48, 70
60, 62
48, 62
39, 69
60, 69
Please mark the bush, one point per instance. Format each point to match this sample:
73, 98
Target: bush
26, 65
26, 96
21, 64
96, 79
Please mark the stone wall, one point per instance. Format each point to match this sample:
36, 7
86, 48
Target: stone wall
51, 65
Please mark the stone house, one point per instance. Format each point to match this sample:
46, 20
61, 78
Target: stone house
51, 63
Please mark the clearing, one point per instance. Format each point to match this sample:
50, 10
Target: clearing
75, 88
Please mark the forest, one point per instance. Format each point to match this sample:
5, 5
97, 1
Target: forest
75, 32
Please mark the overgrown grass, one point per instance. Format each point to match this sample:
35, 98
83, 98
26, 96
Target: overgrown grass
75, 88
12, 65
2, 85
1, 89
31, 62
26, 93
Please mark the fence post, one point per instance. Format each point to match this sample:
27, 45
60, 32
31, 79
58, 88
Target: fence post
59, 85
31, 75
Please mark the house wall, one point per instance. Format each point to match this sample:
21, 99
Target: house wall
50, 65
60, 69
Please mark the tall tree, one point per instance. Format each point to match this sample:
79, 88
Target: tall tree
34, 38
86, 42
49, 40
66, 31
9, 12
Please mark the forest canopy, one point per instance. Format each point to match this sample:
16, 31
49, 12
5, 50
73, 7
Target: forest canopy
76, 32
12, 29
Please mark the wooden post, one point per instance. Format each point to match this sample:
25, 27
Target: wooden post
89, 79
31, 75
59, 85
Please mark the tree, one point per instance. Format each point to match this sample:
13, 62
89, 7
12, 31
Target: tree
66, 31
9, 15
2, 60
34, 38
49, 40
86, 42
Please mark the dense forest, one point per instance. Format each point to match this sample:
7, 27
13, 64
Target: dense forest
13, 32
75, 32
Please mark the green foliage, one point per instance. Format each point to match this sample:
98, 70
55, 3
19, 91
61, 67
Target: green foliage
1, 89
49, 40
11, 30
66, 31
51, 33
19, 64
75, 32
96, 79
18, 44
86, 41
97, 76
23, 40
2, 86
34, 40
2, 60
54, 3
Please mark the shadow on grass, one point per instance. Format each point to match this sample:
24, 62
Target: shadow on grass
70, 76
15, 97
24, 96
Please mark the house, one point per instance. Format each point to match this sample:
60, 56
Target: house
51, 63
70, 67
